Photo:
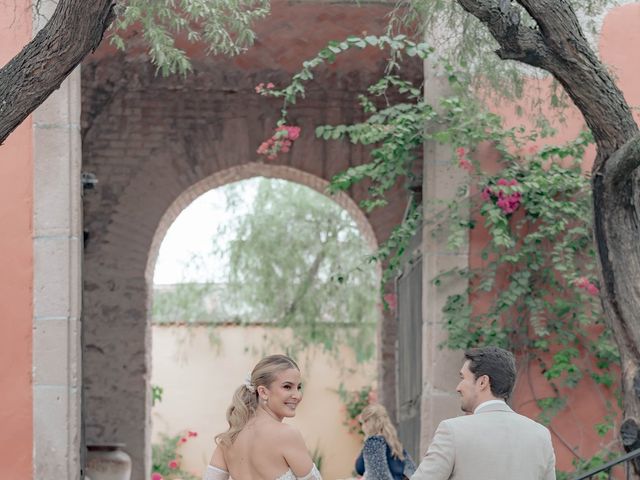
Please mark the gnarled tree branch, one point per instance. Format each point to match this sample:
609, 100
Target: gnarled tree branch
559, 47
517, 42
622, 163
75, 28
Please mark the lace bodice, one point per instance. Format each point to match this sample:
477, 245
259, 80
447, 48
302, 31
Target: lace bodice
215, 473
314, 474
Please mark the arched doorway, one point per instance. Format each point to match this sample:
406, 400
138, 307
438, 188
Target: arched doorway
208, 330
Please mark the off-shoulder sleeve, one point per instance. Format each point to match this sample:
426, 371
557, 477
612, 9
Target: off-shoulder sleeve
215, 473
314, 474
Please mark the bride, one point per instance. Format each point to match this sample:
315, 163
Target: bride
257, 445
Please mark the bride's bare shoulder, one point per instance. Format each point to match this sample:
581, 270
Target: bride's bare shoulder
288, 434
217, 459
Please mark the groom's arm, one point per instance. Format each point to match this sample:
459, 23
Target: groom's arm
550, 473
438, 463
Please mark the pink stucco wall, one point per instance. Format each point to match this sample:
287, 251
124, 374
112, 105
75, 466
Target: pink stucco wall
573, 429
16, 267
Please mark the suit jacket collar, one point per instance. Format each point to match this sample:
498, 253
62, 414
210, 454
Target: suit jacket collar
493, 407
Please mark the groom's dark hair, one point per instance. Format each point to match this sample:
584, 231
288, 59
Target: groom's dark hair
498, 364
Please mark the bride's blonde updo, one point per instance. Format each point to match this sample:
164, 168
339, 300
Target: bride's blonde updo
245, 399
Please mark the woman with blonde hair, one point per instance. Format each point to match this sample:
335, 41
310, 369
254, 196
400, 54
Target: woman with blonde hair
382, 456
257, 445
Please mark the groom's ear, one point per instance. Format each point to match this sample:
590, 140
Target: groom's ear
485, 382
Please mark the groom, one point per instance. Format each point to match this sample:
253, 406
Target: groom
492, 442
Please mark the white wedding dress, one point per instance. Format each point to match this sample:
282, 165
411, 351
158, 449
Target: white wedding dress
215, 473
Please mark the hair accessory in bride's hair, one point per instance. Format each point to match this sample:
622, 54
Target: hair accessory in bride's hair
247, 383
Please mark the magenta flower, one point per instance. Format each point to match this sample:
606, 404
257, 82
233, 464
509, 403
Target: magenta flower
392, 300
465, 164
585, 284
280, 141
507, 202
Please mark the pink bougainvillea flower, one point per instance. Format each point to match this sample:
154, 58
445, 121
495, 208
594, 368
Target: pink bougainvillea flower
465, 164
156, 476
184, 440
392, 300
585, 284
461, 151
191, 433
270, 85
581, 282
259, 88
533, 149
508, 202
280, 141
173, 464
292, 133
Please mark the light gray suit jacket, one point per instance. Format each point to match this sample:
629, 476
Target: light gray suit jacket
495, 443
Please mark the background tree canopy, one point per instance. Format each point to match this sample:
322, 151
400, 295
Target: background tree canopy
293, 258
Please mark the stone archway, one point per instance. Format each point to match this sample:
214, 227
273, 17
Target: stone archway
148, 140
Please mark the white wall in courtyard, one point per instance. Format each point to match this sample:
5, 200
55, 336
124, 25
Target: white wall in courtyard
199, 375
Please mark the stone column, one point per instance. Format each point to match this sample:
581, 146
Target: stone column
57, 246
440, 366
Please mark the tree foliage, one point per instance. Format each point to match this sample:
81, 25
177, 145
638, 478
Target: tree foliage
225, 26
293, 259
467, 45
76, 28
296, 259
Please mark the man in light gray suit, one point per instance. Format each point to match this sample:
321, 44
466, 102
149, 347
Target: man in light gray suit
491, 442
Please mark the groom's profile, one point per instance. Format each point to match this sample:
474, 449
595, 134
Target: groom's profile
492, 442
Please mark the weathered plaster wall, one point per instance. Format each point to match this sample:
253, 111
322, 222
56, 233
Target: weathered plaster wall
149, 139
16, 264
572, 430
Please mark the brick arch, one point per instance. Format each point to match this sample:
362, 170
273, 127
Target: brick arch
244, 172
153, 142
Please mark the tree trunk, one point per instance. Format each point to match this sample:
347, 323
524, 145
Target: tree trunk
616, 231
75, 28
558, 46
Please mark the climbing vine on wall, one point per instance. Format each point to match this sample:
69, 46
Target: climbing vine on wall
537, 273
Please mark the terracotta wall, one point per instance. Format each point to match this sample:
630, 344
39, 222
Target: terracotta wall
16, 265
573, 429
199, 368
